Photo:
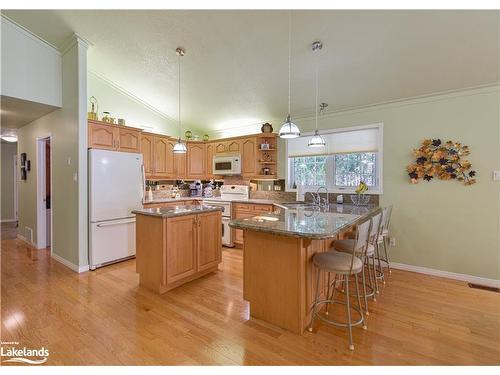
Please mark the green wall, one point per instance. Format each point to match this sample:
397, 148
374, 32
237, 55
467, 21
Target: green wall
441, 224
8, 151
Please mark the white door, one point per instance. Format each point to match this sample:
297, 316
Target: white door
111, 241
115, 184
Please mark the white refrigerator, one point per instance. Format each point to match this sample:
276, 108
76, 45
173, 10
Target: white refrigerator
116, 187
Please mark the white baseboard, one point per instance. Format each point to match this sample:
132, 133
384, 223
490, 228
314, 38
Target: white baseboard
29, 243
8, 221
449, 275
68, 264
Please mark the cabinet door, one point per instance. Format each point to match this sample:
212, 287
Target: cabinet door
234, 146
209, 240
181, 247
238, 233
196, 160
102, 136
147, 142
248, 157
180, 170
220, 147
209, 152
161, 151
129, 140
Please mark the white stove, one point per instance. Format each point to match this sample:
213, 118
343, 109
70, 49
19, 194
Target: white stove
228, 193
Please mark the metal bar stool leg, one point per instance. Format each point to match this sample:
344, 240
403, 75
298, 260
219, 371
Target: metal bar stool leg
377, 252
374, 270
348, 303
328, 293
386, 254
363, 278
359, 301
315, 301
370, 277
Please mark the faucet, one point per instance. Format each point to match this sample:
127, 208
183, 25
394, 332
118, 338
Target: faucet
318, 197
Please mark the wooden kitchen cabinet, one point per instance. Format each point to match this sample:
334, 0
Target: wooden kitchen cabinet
173, 251
220, 147
147, 145
209, 156
163, 157
244, 210
196, 160
106, 136
180, 166
234, 146
181, 247
209, 245
248, 157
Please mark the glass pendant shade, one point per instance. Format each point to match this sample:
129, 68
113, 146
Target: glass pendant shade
179, 147
317, 140
289, 129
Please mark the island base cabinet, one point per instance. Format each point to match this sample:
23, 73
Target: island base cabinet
173, 251
279, 278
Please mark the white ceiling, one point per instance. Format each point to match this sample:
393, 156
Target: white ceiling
235, 68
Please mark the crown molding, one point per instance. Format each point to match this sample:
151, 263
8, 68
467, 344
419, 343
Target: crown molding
29, 34
74, 40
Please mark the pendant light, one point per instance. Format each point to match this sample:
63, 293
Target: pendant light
289, 129
179, 147
317, 140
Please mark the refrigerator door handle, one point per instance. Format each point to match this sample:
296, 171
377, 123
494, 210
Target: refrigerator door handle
118, 222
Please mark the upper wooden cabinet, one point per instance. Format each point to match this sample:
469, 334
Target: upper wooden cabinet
209, 156
196, 155
248, 157
180, 166
147, 145
163, 157
234, 146
113, 137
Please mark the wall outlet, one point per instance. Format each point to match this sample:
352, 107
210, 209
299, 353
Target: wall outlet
496, 175
392, 242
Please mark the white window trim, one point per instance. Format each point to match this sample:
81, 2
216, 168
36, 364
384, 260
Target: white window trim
380, 160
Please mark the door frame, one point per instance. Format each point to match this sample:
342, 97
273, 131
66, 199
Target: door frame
16, 176
41, 214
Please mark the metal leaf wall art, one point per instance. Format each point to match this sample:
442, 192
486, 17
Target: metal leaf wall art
445, 161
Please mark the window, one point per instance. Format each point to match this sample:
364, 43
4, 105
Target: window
350, 156
339, 171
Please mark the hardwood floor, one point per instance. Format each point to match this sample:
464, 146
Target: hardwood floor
103, 317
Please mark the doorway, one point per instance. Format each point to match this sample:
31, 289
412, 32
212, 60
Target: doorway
44, 193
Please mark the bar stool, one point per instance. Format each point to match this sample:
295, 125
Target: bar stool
343, 265
346, 246
384, 235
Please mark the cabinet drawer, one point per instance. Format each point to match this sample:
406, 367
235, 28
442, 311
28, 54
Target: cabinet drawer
242, 207
263, 207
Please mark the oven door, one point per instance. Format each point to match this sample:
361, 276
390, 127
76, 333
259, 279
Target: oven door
227, 238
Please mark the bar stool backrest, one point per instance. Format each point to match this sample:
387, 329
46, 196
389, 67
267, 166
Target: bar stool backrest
362, 235
386, 218
376, 224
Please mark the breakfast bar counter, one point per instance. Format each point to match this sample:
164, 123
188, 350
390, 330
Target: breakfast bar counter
277, 259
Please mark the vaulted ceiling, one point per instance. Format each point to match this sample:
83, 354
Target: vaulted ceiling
235, 69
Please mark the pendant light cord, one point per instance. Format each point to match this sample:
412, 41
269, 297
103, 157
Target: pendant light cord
316, 109
289, 61
180, 127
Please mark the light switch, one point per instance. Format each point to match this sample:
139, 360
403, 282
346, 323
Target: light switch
496, 175
75, 177
69, 160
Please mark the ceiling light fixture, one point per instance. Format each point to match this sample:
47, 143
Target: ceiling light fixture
180, 148
9, 138
317, 140
289, 129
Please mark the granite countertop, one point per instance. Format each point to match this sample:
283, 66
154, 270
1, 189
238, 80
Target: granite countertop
310, 222
215, 199
167, 200
174, 211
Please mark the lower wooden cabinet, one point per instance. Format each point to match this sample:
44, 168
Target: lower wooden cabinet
244, 210
173, 251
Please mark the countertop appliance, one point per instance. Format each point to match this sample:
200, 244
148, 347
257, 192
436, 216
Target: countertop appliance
227, 164
116, 187
228, 193
196, 189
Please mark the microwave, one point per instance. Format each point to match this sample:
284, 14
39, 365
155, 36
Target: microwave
227, 164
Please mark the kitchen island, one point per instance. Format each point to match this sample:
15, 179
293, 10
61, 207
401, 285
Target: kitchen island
176, 244
277, 259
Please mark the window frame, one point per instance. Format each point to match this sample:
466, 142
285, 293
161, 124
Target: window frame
330, 170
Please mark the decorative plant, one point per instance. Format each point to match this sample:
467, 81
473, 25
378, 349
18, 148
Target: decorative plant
441, 160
